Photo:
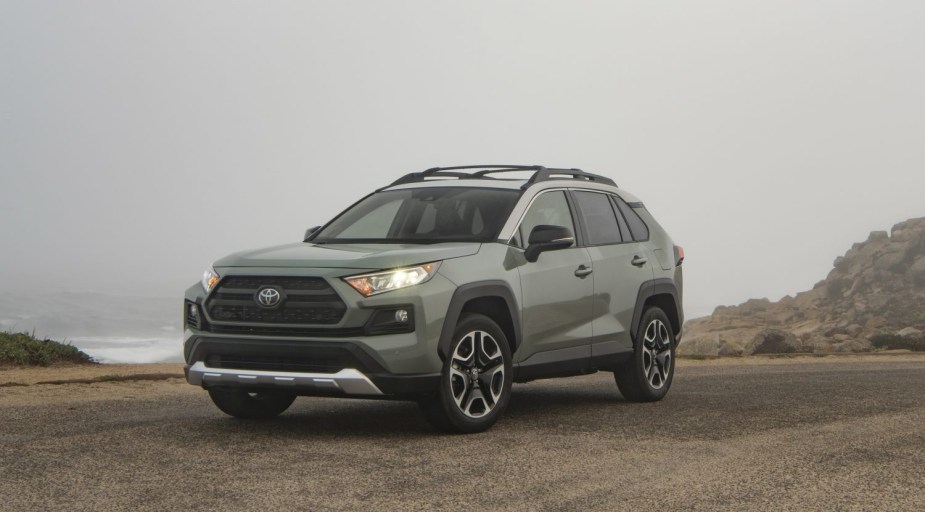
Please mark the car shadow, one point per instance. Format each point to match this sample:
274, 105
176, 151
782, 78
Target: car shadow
332, 417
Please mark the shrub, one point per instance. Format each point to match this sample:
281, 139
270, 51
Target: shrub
21, 348
893, 341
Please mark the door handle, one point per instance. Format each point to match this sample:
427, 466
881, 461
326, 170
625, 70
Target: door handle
639, 261
583, 271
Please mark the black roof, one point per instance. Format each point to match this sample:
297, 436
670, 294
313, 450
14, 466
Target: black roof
484, 171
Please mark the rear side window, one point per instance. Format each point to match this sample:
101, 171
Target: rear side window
637, 227
599, 218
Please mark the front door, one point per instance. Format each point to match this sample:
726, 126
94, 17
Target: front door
557, 290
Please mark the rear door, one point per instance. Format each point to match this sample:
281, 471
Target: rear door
621, 265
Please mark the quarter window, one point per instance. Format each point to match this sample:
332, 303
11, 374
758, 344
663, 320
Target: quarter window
637, 226
599, 218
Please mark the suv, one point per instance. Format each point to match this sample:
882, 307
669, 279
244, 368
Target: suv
445, 287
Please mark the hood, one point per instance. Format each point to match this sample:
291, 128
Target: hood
354, 256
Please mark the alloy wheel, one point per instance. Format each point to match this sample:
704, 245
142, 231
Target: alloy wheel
656, 354
477, 374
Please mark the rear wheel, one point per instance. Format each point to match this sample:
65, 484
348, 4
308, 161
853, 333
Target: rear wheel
252, 404
647, 376
475, 384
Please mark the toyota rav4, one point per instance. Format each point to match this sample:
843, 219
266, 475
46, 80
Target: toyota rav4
445, 288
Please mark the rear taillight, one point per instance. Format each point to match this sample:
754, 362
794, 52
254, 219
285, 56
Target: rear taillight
678, 255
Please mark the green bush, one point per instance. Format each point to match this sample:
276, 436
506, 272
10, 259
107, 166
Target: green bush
19, 348
893, 341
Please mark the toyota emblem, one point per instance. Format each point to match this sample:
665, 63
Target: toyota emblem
268, 297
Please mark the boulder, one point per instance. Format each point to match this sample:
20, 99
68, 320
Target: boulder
853, 346
909, 332
916, 272
731, 349
889, 262
706, 346
878, 235
774, 341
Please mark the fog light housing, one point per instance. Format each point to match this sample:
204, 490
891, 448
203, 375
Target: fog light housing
192, 315
391, 320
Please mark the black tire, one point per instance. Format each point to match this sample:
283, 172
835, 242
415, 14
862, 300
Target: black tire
465, 404
647, 376
251, 404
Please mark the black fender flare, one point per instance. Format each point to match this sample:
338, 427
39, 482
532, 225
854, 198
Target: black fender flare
467, 292
649, 289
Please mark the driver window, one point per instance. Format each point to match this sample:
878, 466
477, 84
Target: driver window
549, 208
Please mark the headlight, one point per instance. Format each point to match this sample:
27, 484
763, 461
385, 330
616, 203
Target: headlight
381, 282
209, 278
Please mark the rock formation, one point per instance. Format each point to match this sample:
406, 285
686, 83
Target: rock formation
874, 292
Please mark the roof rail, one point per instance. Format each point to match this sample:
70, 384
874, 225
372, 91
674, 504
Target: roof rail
575, 174
541, 174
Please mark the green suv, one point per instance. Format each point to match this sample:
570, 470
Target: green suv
445, 288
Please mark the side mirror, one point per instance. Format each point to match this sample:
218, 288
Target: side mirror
310, 232
548, 238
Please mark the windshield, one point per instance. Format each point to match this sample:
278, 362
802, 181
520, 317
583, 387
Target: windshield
423, 215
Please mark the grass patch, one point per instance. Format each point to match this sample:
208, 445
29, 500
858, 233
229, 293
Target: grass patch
20, 348
893, 342
116, 378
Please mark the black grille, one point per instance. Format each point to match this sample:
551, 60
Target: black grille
307, 300
330, 364
345, 332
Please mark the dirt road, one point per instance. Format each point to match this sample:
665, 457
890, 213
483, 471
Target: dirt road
838, 434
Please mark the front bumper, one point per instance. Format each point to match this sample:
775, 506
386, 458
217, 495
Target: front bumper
394, 363
308, 367
347, 381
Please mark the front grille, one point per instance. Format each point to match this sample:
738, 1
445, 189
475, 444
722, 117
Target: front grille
345, 332
277, 363
307, 301
280, 354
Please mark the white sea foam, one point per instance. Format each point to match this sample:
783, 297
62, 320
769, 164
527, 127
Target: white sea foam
120, 349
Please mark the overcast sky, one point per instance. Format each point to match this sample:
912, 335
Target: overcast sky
140, 141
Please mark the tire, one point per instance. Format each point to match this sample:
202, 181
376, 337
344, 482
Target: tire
251, 404
647, 376
475, 383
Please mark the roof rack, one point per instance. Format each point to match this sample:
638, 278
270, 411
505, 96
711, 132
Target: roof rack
541, 174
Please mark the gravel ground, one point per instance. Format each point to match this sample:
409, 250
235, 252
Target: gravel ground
832, 434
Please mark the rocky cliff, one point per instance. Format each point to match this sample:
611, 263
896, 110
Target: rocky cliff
873, 298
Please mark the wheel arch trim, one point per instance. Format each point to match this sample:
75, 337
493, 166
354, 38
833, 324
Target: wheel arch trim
477, 290
654, 288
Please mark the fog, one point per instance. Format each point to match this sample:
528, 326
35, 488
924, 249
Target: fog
140, 141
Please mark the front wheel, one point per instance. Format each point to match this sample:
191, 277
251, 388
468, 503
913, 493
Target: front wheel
475, 383
251, 404
647, 376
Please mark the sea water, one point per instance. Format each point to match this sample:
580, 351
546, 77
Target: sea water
127, 350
